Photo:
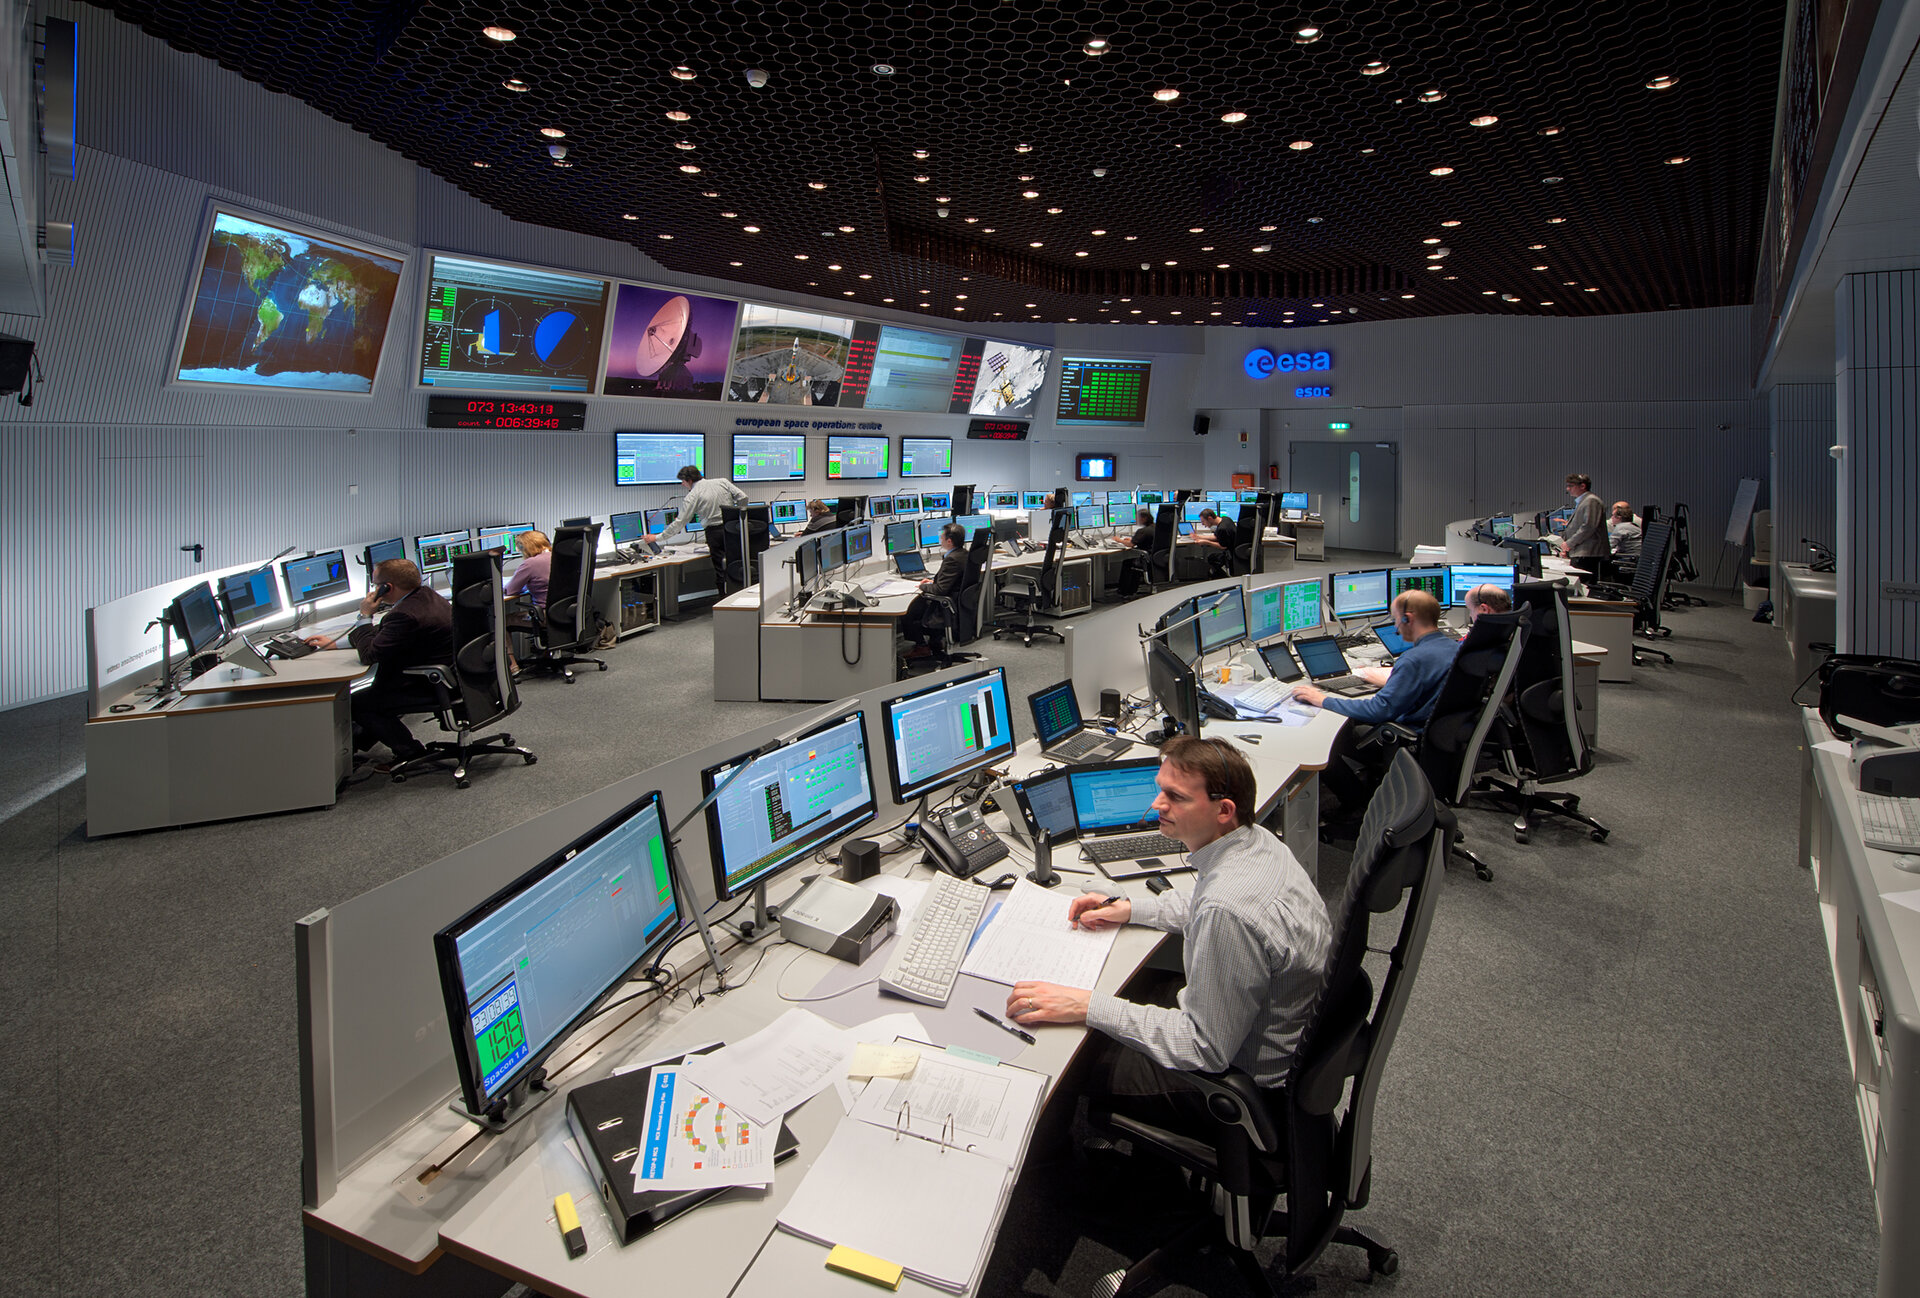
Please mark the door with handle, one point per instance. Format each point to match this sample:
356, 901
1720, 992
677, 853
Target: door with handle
1356, 486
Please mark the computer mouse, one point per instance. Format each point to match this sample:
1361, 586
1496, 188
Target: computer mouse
1906, 861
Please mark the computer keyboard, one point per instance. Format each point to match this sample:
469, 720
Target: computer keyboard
1085, 745
927, 959
1890, 824
1131, 848
1264, 696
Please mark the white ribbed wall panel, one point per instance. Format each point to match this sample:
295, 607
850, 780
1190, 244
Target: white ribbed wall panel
1804, 474
1877, 385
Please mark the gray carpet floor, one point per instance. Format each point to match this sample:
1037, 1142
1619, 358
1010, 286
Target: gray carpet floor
1621, 1070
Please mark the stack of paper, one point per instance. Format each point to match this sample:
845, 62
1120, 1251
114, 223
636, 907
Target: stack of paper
778, 1068
1028, 939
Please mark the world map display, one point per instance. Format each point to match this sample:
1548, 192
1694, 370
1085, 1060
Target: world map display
280, 308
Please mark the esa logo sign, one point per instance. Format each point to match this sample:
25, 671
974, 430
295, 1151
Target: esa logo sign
1261, 363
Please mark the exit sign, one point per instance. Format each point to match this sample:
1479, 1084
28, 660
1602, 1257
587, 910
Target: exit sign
1339, 427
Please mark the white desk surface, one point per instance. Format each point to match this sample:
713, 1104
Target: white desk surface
321, 667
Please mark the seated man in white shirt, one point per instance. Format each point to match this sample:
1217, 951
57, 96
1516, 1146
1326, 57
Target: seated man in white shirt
1255, 953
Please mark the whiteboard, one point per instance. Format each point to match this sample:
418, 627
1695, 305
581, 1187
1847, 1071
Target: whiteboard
1743, 498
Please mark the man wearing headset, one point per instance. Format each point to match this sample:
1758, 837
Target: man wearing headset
416, 632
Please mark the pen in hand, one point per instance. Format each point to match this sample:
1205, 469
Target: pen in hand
1022, 1033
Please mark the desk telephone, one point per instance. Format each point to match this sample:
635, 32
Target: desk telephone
288, 646
960, 842
839, 595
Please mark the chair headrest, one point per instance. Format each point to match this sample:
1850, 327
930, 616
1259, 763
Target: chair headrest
1400, 815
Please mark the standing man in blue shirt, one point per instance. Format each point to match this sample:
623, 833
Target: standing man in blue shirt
1406, 699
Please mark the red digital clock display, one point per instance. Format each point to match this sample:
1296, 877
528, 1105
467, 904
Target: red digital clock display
495, 412
998, 430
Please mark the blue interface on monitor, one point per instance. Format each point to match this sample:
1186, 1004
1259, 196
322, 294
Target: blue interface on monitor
381, 551
1294, 500
902, 537
1090, 516
936, 736
1463, 577
1114, 797
935, 500
317, 576
249, 596
859, 544
801, 794
1355, 593
1035, 499
625, 527
788, 511
930, 529
1225, 622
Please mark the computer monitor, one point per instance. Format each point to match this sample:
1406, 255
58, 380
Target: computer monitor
1222, 497
926, 457
849, 507
1045, 804
1149, 497
858, 457
1300, 605
1088, 517
930, 529
1186, 529
789, 511
381, 551
859, 543
879, 506
1225, 621
937, 735
769, 457
902, 536
437, 551
526, 967
1003, 500
1501, 526
1114, 797
1099, 497
1247, 497
246, 597
581, 521
807, 792
1119, 515
937, 502
1321, 656
1174, 687
1119, 498
1463, 577
626, 528
1433, 580
196, 619
807, 560
658, 520
504, 537
1184, 640
1266, 613
1294, 500
907, 502
1080, 499
1190, 512
833, 550
974, 522
1353, 594
1035, 499
318, 576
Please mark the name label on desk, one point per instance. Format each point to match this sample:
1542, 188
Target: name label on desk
1261, 363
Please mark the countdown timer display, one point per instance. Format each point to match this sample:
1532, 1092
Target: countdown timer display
495, 412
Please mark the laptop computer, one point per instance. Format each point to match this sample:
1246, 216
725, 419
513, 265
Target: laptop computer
1118, 828
910, 563
1063, 734
1280, 663
1327, 666
1390, 638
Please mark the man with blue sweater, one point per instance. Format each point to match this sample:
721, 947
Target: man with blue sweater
1406, 699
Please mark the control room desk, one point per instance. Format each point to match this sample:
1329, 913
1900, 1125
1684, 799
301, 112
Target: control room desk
232, 744
818, 657
666, 580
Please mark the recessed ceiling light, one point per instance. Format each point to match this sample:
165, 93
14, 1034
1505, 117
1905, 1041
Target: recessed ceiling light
1663, 83
1220, 265
1509, 297
1166, 94
501, 34
1547, 303
1406, 295
1314, 220
1023, 148
1029, 193
1550, 130
553, 133
678, 115
926, 290
689, 168
1079, 254
1372, 69
1431, 96
973, 220
1036, 244
628, 216
943, 200
986, 229
729, 215
1485, 119
1429, 241
1264, 247
1439, 171
1196, 229
1131, 237
846, 292
1567, 283
1551, 180
736, 263
799, 256
1269, 228
1434, 266
1173, 263
1536, 247
681, 73
1486, 292
1592, 290
1054, 211
481, 165
663, 236
516, 85
865, 275
1556, 220
1032, 305
886, 299
751, 229
683, 144
1099, 232
1300, 146
1449, 224
1539, 267
1206, 247
1233, 118
833, 266
1094, 49
883, 69
816, 184
1306, 36
1676, 159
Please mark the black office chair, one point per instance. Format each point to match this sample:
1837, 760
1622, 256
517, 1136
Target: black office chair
1246, 541
571, 621
1649, 589
476, 690
1681, 565
1032, 593
1265, 510
976, 594
1160, 558
1544, 741
1449, 747
1296, 1140
746, 533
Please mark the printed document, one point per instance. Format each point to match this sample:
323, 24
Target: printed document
1029, 938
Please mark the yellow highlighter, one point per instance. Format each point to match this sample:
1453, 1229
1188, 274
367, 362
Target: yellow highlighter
865, 1266
570, 1231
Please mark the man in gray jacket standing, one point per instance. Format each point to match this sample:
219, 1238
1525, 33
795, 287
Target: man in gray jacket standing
1584, 539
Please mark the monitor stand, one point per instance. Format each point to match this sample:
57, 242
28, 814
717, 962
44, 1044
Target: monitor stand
511, 1107
764, 916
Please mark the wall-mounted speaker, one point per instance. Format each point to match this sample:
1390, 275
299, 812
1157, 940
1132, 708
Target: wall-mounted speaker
1200, 425
16, 354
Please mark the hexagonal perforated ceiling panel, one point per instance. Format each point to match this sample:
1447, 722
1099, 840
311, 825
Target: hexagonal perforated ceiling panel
1148, 162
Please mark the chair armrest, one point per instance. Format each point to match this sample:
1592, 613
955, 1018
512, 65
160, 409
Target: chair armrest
446, 687
1394, 735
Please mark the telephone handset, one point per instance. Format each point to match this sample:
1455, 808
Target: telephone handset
960, 842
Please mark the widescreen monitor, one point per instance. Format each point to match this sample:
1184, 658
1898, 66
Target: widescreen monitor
246, 597
317, 576
806, 559
626, 527
1174, 687
1463, 577
1432, 580
858, 457
500, 328
789, 511
196, 619
1294, 500
1094, 468
1120, 515
833, 550
1003, 500
1096, 390
655, 459
902, 537
930, 529
971, 523
1120, 497
658, 520
1088, 517
438, 550
1045, 802
1353, 594
1300, 605
1221, 497
1150, 497
380, 551
1080, 498
926, 457
769, 457
1183, 637
665, 343
783, 356
894, 368
936, 502
1190, 512
504, 537
1099, 497
1113, 797
880, 507
1036, 499
907, 502
937, 735
530, 964
1008, 380
277, 305
859, 543
1225, 622
805, 793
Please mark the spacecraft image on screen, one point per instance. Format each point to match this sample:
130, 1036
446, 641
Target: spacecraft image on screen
785, 357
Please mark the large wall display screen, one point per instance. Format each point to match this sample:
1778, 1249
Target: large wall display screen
276, 306
1099, 391
1008, 382
668, 344
785, 357
511, 328
890, 368
649, 459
